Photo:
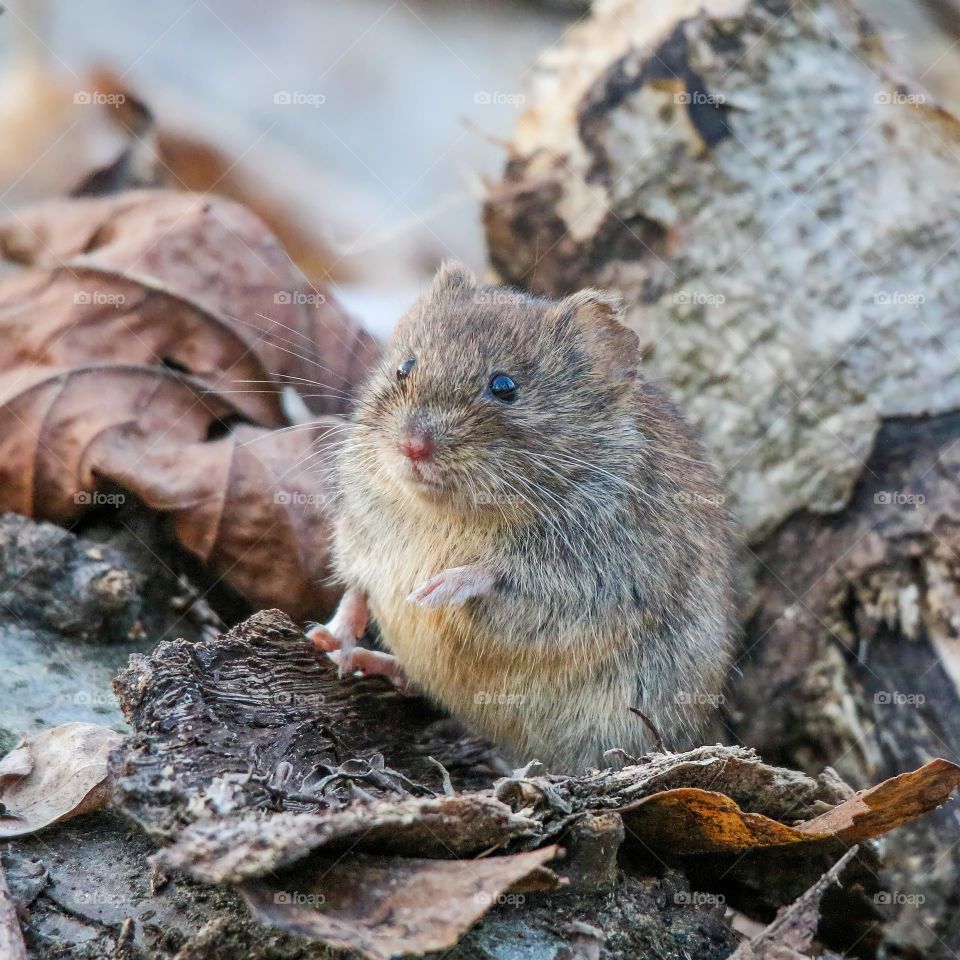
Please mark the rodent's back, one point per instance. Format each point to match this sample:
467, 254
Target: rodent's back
589, 499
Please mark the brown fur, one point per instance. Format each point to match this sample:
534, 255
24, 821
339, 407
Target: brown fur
587, 497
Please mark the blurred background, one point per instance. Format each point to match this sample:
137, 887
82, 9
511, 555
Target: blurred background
361, 131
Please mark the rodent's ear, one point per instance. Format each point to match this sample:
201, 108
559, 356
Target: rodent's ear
597, 317
453, 277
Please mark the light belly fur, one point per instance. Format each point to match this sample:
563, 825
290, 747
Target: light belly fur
517, 693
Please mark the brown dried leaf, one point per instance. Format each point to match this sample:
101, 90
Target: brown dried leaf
254, 504
251, 846
62, 318
66, 780
870, 813
384, 907
689, 821
49, 417
213, 256
123, 292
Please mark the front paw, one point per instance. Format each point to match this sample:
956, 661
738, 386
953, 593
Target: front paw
453, 587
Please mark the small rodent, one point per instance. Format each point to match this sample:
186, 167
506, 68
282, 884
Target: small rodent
533, 528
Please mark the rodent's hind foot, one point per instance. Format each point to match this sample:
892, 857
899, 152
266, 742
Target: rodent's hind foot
375, 663
453, 587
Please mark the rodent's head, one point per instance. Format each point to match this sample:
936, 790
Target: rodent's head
493, 400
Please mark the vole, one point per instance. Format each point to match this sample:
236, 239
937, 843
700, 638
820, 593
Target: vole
533, 528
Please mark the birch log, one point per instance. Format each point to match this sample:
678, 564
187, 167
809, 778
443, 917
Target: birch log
778, 204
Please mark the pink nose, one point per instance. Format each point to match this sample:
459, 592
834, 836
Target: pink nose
417, 445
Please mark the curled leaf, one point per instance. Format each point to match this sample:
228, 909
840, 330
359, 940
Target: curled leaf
154, 343
66, 779
383, 907
254, 503
50, 417
206, 259
693, 821
251, 846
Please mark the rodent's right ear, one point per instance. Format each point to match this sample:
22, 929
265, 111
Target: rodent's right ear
453, 277
597, 319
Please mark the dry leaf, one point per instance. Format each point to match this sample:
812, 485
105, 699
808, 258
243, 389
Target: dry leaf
66, 780
384, 907
49, 417
64, 318
877, 810
254, 504
214, 256
251, 846
693, 821
150, 326
17, 763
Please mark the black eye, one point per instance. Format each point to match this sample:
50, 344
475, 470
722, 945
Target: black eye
403, 371
502, 387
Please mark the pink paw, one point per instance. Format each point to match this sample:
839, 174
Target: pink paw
453, 587
375, 663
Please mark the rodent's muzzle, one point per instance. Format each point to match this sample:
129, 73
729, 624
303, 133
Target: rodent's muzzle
416, 445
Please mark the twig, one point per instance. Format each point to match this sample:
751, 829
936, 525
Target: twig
447, 784
650, 727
